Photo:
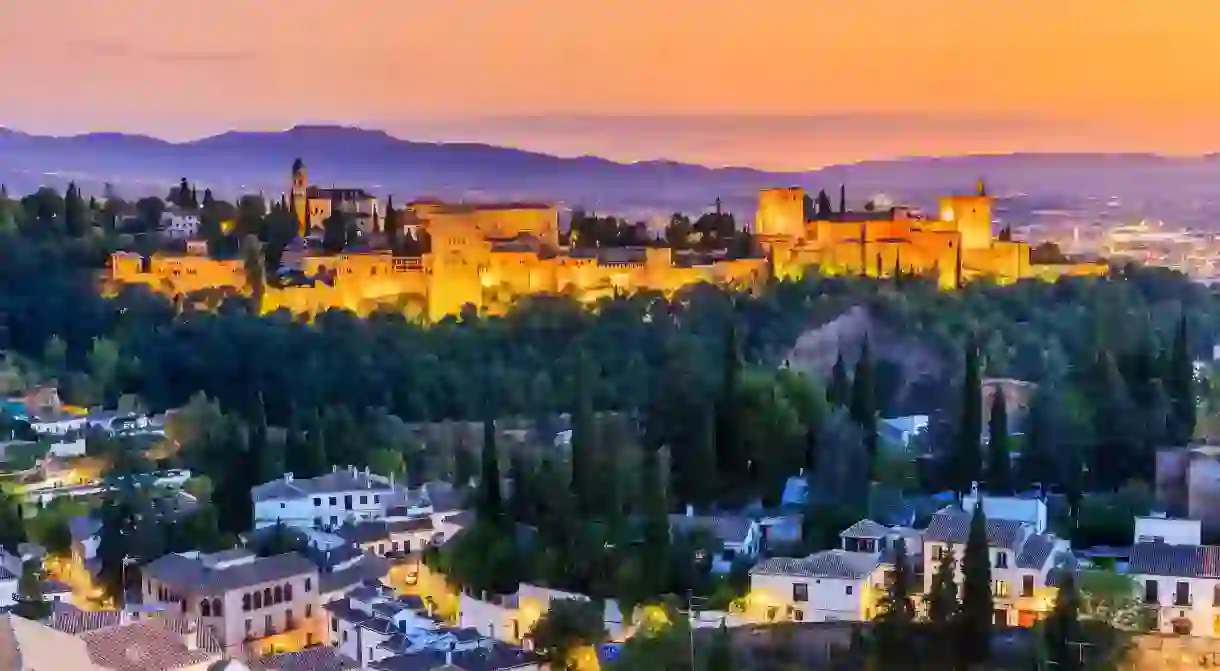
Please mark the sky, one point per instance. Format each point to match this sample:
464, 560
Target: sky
773, 83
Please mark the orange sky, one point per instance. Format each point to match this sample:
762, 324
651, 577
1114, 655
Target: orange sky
778, 83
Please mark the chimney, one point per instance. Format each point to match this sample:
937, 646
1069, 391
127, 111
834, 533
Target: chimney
366, 472
690, 510
288, 478
334, 468
449, 655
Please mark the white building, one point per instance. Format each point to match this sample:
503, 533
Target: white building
740, 537
833, 585
325, 502
1177, 576
1022, 557
58, 425
179, 224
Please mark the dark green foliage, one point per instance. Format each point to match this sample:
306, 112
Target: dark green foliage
491, 502
29, 596
974, 621
12, 524
999, 457
967, 457
1062, 628
894, 629
943, 604
720, 651
863, 405
569, 625
839, 390
1181, 386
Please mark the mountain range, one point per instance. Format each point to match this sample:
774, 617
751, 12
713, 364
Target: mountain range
240, 161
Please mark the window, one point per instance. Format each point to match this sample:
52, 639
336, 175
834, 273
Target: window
245, 602
308, 584
1216, 596
1181, 595
217, 609
771, 612
345, 636
394, 545
1150, 592
279, 594
334, 501
289, 622
377, 498
268, 625
800, 591
847, 590
205, 608
267, 597
317, 522
1001, 559
334, 624
943, 552
364, 500
334, 521
1000, 588
258, 600
798, 615
381, 548
309, 610
1027, 585
249, 626
288, 590
283, 505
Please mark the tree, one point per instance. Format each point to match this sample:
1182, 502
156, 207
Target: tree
839, 390
76, 217
977, 612
720, 653
1062, 626
731, 461
12, 522
387, 462
569, 625
896, 612
335, 231
999, 458
864, 400
490, 504
1181, 386
585, 476
967, 457
30, 601
392, 225
943, 603
254, 264
55, 354
104, 365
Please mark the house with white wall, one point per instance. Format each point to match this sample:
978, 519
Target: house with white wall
843, 584
1021, 552
1178, 578
740, 537
325, 502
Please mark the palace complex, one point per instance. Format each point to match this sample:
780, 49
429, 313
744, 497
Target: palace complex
487, 255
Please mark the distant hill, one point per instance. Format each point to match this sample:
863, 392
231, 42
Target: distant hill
254, 161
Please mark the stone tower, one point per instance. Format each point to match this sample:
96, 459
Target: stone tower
971, 216
300, 195
781, 212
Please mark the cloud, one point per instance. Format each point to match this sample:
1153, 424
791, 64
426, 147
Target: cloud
111, 49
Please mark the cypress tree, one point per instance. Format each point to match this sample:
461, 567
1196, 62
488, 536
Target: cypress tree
393, 224
1062, 626
730, 461
839, 390
967, 461
720, 655
974, 622
897, 611
490, 503
654, 506
942, 596
1181, 386
999, 460
864, 400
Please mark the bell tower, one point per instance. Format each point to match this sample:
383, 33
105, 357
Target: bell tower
300, 195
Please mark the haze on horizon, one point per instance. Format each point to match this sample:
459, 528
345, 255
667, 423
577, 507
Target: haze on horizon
782, 84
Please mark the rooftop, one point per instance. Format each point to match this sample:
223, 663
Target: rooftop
194, 576
1182, 561
952, 525
153, 644
825, 564
26, 644
336, 482
727, 528
318, 658
1036, 551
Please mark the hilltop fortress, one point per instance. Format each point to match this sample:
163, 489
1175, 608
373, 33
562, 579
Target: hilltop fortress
488, 255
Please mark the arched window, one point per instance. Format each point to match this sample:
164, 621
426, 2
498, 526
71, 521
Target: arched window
217, 609
258, 600
279, 594
288, 591
267, 596
205, 608
245, 602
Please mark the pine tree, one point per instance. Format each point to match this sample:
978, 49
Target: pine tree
967, 459
864, 400
490, 503
999, 459
975, 619
943, 603
1062, 626
897, 611
839, 391
1181, 385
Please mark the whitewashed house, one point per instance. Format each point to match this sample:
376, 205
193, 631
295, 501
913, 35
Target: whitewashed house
325, 502
1178, 577
843, 584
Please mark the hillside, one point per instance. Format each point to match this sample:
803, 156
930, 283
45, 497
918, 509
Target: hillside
258, 161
